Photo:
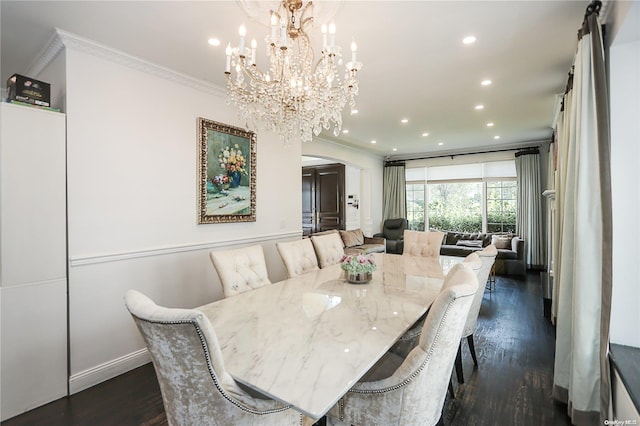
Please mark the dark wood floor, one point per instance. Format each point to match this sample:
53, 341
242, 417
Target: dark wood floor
515, 349
512, 386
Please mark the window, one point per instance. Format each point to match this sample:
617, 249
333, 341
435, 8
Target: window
455, 206
501, 206
478, 197
415, 206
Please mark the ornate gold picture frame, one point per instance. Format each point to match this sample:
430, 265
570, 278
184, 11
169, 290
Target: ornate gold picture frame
226, 173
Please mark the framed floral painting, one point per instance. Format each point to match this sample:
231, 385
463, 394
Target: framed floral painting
226, 173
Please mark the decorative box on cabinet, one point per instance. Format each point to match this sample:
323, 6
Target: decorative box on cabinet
33, 281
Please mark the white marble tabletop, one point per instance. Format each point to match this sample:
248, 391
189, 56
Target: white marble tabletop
305, 341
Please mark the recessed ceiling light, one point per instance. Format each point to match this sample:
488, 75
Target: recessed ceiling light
496, 137
354, 111
404, 120
374, 142
345, 131
479, 107
394, 149
469, 40
489, 124
440, 143
485, 82
214, 42
425, 134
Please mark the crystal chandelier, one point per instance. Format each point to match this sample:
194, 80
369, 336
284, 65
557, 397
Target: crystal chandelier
296, 97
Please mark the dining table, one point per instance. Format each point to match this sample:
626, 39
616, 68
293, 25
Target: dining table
307, 340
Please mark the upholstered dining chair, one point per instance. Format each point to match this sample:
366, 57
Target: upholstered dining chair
196, 389
298, 257
329, 248
424, 244
409, 339
240, 269
486, 257
411, 390
393, 232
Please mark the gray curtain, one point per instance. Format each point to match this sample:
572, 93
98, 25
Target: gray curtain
529, 219
394, 192
583, 267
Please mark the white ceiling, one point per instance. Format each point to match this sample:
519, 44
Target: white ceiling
415, 65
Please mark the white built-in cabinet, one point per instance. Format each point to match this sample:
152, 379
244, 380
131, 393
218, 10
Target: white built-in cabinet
33, 272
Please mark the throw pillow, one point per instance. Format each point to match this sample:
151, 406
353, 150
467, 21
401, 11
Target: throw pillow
470, 243
352, 238
501, 242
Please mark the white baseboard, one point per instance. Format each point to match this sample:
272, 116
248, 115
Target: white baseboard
100, 373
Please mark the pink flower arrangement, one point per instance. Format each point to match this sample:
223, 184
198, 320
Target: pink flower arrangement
358, 263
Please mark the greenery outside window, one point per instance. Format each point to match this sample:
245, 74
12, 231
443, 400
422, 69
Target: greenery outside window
455, 206
501, 206
464, 206
415, 206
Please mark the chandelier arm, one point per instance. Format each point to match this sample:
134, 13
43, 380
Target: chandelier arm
307, 7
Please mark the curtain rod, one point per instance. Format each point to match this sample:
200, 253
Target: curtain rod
528, 151
465, 153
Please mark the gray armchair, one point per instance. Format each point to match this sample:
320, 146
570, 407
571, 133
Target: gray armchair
393, 231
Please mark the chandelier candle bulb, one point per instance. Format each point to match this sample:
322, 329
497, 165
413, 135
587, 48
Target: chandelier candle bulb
243, 32
323, 30
332, 35
354, 48
228, 51
283, 34
274, 28
254, 45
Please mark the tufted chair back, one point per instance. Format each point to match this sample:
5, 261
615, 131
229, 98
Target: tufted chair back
298, 257
473, 261
424, 244
329, 248
240, 269
195, 387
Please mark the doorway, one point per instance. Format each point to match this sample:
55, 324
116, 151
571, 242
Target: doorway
323, 198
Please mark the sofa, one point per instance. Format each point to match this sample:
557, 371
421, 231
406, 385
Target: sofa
354, 242
511, 249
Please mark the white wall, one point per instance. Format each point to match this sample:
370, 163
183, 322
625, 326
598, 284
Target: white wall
352, 188
131, 136
370, 167
624, 69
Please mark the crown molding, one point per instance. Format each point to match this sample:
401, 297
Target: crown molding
65, 40
49, 52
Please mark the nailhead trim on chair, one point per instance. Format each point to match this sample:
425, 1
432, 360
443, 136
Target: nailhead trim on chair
212, 373
415, 373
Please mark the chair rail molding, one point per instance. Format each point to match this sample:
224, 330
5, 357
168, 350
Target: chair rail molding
160, 251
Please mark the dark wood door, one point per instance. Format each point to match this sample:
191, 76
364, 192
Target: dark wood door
308, 201
322, 198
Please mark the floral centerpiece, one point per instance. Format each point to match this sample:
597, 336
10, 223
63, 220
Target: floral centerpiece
358, 267
232, 160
